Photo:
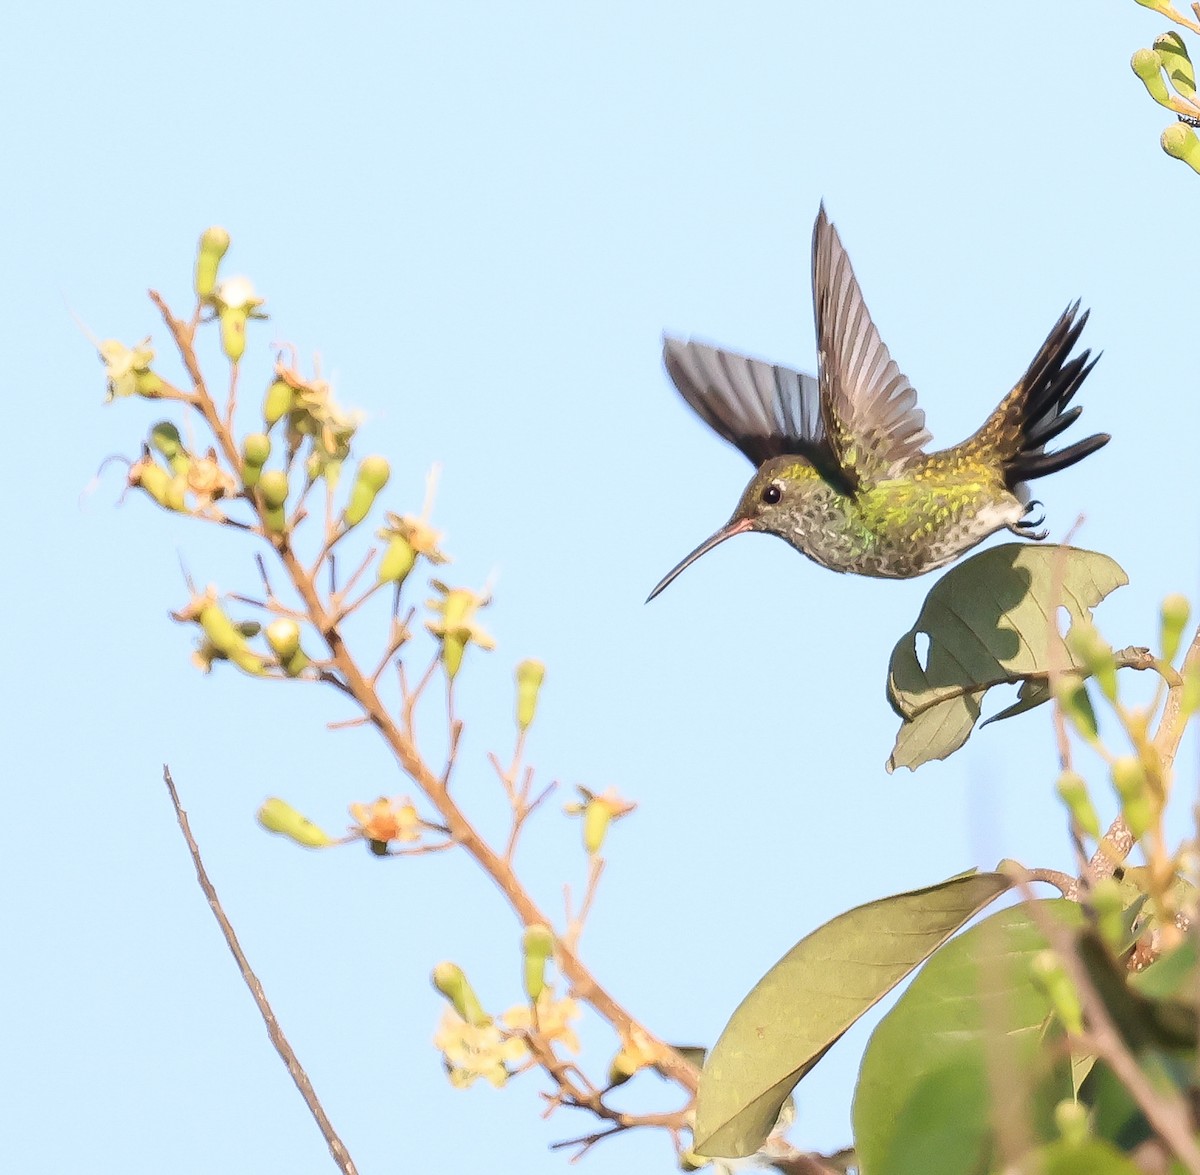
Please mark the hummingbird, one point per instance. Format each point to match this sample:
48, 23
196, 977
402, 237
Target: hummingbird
842, 472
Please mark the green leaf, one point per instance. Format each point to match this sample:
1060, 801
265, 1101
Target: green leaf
989, 621
812, 996
964, 1048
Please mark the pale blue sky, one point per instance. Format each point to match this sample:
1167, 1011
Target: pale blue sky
483, 217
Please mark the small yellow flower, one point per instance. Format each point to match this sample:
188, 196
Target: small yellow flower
552, 1021
387, 820
598, 812
424, 540
208, 481
455, 625
635, 1054
128, 369
474, 1051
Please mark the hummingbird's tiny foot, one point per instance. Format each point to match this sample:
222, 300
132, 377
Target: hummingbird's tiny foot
1031, 528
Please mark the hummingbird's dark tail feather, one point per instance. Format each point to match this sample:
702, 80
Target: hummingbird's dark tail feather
1035, 411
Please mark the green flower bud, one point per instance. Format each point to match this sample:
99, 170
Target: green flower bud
1173, 54
1108, 902
280, 398
256, 449
283, 635
248, 628
397, 561
214, 244
148, 475
538, 944
1050, 975
530, 675
1074, 793
1148, 67
692, 1161
1071, 1118
1180, 142
233, 331
1095, 654
248, 661
177, 489
280, 817
373, 474
236, 303
1072, 696
449, 979
220, 630
164, 437
273, 489
453, 648
1175, 613
597, 816
148, 384
1129, 779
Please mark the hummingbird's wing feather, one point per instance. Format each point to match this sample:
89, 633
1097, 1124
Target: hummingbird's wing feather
761, 408
871, 415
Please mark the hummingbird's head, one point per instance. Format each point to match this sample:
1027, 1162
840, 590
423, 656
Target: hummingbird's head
773, 501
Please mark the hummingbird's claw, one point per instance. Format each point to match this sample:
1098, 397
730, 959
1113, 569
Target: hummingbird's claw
1031, 528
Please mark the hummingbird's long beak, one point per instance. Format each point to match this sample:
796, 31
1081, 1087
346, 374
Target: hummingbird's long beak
726, 532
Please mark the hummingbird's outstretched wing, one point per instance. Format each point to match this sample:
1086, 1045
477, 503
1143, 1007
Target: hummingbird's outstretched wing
869, 408
761, 408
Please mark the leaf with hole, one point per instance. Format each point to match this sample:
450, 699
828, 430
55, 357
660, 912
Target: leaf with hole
989, 622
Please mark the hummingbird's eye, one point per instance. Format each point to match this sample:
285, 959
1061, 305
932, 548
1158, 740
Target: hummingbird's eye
772, 494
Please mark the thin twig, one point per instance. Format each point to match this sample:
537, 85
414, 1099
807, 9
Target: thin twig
341, 1156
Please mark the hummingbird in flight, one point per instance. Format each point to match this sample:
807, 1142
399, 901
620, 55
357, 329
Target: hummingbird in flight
842, 469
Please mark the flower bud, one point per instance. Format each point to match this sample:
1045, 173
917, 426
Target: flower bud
278, 402
273, 490
538, 945
256, 449
1148, 67
148, 475
1129, 780
1175, 612
373, 474
236, 303
1173, 54
283, 635
1071, 1118
1180, 142
454, 645
397, 561
530, 675
1095, 654
449, 979
1050, 975
214, 244
177, 489
1072, 695
1074, 793
597, 816
280, 817
164, 437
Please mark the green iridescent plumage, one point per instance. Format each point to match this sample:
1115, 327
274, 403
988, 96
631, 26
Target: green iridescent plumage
843, 475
